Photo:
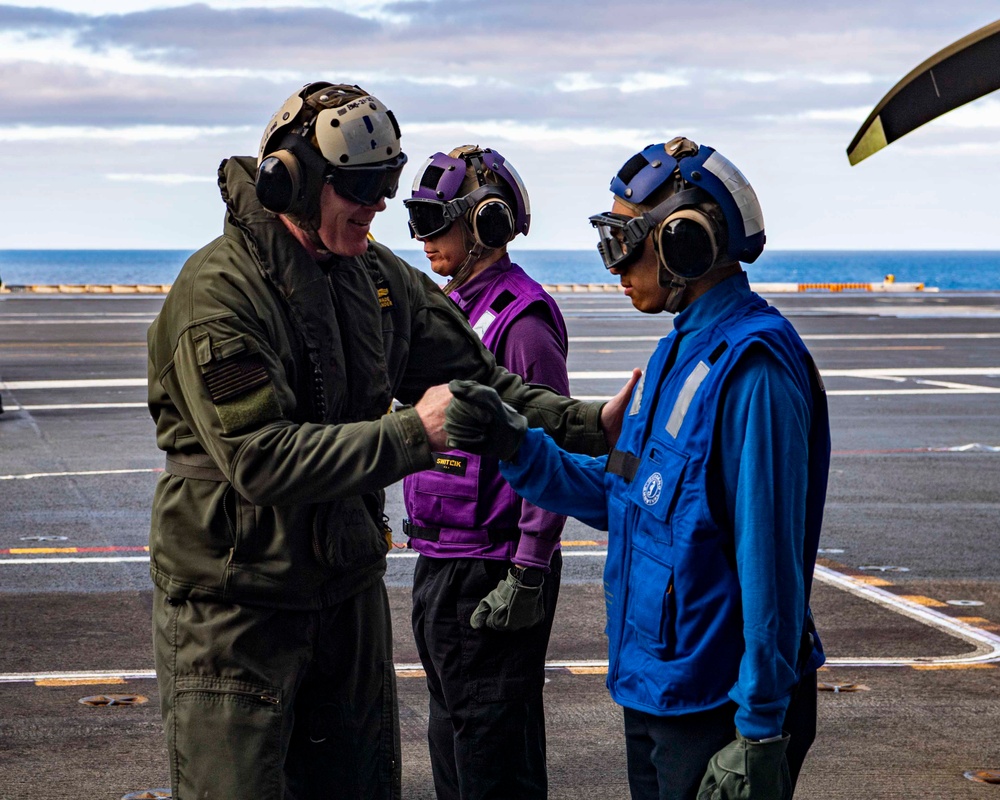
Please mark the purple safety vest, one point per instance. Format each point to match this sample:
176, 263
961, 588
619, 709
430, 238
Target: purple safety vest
462, 507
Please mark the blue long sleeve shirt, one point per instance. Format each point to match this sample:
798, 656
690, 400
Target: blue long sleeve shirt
760, 466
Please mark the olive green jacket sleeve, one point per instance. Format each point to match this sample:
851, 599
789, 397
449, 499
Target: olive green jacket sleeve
444, 347
252, 438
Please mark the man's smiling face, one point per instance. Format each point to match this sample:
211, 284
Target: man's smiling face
345, 224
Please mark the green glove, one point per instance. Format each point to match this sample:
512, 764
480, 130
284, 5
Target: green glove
478, 421
747, 770
516, 603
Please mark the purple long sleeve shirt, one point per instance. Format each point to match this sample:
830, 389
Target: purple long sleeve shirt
533, 350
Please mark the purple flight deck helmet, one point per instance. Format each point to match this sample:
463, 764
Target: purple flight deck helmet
495, 211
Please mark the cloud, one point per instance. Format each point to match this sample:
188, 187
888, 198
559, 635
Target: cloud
169, 179
569, 89
546, 63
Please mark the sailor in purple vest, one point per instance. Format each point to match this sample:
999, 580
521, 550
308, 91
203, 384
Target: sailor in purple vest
487, 574
712, 496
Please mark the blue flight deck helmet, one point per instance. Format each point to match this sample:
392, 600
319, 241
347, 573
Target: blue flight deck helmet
710, 217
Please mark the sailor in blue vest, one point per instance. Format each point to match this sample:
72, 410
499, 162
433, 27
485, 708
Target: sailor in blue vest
487, 575
712, 496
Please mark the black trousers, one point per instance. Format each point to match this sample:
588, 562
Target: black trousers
487, 725
668, 756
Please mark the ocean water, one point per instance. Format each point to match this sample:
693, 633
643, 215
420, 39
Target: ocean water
948, 270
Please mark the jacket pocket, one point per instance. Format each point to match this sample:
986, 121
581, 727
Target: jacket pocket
242, 518
655, 488
445, 495
217, 720
346, 536
651, 603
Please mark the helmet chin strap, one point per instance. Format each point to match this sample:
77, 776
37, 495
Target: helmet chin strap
310, 227
464, 270
675, 284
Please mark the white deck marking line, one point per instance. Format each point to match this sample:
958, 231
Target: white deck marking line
93, 383
72, 560
910, 372
987, 644
875, 373
126, 559
77, 406
900, 375
32, 475
813, 337
879, 392
146, 320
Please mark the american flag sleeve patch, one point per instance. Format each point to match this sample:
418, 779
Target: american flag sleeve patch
235, 377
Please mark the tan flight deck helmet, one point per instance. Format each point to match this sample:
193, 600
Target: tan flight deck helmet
327, 133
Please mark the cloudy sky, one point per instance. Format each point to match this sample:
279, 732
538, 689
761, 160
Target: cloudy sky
114, 114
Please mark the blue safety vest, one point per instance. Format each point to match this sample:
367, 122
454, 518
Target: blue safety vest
671, 586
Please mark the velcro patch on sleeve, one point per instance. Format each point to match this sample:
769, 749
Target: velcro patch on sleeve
241, 389
253, 408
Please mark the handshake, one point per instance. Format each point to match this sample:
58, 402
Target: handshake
478, 421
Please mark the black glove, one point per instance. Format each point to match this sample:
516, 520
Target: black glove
478, 421
748, 770
516, 603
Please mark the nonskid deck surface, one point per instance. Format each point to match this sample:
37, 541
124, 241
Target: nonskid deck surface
907, 597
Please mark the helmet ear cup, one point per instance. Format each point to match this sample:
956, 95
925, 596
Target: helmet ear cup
686, 243
279, 182
492, 223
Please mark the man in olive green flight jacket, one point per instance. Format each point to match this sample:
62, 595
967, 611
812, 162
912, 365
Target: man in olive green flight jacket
272, 368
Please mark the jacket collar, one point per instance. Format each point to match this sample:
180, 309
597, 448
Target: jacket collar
347, 354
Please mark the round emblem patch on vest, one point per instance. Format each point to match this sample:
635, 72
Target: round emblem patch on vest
652, 488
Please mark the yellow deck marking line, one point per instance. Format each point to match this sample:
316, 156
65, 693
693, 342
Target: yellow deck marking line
980, 622
987, 644
137, 559
974, 630
871, 580
929, 602
83, 678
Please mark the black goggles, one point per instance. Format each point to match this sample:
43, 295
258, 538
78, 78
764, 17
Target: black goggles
368, 183
621, 238
430, 218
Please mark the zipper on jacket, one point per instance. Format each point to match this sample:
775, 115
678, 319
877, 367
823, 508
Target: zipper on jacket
631, 512
230, 492
269, 699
